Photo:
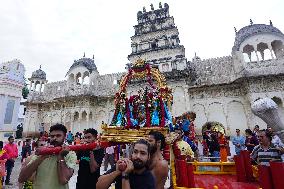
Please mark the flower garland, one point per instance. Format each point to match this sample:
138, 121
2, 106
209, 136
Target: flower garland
162, 113
129, 124
147, 108
127, 110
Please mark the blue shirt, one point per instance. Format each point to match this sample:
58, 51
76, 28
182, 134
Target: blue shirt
239, 140
185, 125
191, 143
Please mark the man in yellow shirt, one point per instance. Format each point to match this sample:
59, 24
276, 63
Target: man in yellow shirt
51, 171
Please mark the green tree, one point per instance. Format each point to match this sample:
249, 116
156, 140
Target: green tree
25, 90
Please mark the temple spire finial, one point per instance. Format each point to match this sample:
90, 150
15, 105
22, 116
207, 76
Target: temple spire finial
251, 22
235, 29
84, 55
93, 57
40, 67
144, 9
152, 6
270, 23
160, 5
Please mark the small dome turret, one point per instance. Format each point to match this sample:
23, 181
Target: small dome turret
85, 62
258, 42
37, 80
82, 71
254, 29
39, 74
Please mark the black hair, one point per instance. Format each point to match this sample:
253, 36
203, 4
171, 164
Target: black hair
1, 144
159, 137
256, 126
11, 136
249, 131
37, 142
94, 132
58, 127
268, 134
145, 142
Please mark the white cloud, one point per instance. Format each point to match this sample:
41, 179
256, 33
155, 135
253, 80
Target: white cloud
53, 33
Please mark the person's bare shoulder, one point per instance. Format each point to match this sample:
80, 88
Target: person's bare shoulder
161, 167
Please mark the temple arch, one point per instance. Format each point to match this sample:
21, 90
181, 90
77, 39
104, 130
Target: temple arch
216, 113
199, 109
236, 117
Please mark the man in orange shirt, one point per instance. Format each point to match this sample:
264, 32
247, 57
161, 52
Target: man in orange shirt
12, 153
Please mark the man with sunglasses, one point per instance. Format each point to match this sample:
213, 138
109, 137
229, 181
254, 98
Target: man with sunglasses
239, 142
89, 162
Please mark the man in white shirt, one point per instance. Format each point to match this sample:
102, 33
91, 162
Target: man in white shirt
276, 141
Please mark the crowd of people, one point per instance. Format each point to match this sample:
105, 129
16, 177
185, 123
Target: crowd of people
144, 162
263, 145
145, 166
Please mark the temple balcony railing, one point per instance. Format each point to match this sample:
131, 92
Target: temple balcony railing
264, 67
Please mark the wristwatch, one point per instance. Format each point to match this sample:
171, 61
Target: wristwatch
125, 176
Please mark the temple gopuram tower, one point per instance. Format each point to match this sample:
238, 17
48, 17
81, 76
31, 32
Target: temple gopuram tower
156, 40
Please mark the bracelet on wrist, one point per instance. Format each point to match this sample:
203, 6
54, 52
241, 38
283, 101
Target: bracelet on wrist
125, 176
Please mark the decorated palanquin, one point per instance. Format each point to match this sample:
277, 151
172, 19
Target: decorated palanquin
136, 115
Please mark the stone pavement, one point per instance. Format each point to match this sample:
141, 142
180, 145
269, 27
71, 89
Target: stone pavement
15, 175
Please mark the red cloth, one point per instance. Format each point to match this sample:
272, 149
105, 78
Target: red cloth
12, 150
247, 162
223, 148
240, 168
265, 177
190, 175
182, 169
191, 131
277, 171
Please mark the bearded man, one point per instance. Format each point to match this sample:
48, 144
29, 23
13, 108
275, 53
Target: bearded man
136, 175
52, 171
158, 165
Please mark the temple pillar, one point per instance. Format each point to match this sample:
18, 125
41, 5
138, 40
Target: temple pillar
271, 51
40, 87
256, 55
34, 87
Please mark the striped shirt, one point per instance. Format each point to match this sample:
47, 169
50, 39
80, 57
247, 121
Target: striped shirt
263, 157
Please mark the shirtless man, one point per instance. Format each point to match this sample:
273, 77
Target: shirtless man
158, 166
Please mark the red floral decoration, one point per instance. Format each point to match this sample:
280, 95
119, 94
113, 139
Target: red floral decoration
129, 124
162, 113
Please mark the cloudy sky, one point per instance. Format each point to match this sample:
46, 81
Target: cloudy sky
53, 33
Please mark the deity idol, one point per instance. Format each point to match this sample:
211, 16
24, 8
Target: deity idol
141, 115
168, 117
119, 117
155, 121
134, 121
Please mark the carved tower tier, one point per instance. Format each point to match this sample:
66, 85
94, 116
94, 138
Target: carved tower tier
156, 40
